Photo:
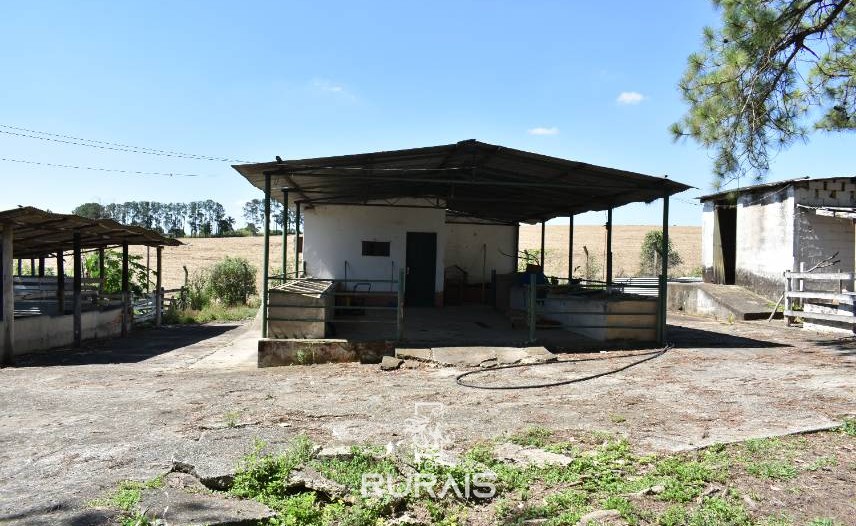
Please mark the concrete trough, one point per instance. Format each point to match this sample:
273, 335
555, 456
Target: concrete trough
294, 351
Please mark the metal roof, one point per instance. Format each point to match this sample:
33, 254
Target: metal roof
765, 186
38, 233
469, 178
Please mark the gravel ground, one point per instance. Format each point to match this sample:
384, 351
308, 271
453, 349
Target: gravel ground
74, 424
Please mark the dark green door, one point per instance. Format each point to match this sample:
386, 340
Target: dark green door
421, 269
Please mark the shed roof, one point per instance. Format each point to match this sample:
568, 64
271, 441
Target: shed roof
38, 233
469, 177
769, 186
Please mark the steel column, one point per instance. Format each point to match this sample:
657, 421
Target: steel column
609, 247
126, 292
8, 298
60, 283
543, 228
159, 287
296, 239
664, 272
284, 232
76, 288
571, 248
266, 258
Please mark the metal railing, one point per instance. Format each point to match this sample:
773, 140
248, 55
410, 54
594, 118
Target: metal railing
538, 306
353, 301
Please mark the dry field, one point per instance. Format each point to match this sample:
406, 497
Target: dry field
626, 245
198, 253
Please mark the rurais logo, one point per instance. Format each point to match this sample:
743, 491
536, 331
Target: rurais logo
437, 471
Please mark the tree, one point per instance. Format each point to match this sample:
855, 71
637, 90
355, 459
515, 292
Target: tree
774, 69
652, 254
90, 210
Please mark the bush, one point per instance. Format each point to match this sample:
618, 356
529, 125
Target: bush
198, 289
651, 256
233, 281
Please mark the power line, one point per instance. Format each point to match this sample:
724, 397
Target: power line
105, 145
97, 169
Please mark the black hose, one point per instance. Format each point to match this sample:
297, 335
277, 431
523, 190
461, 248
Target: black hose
648, 356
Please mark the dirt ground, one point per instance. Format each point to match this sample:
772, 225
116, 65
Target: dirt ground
199, 253
72, 424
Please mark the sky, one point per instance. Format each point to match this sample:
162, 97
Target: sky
246, 81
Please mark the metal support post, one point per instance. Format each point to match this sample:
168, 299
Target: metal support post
296, 239
532, 292
78, 301
126, 292
608, 248
399, 328
266, 258
159, 287
571, 249
284, 232
543, 228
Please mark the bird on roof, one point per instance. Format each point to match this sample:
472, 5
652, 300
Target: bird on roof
278, 159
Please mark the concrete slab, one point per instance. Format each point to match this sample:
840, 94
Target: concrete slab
217, 454
475, 356
720, 301
189, 508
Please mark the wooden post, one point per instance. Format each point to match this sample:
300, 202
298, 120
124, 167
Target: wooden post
788, 288
20, 267
570, 248
32, 267
543, 228
126, 292
608, 248
7, 299
76, 288
159, 288
41, 267
266, 258
296, 239
60, 283
284, 232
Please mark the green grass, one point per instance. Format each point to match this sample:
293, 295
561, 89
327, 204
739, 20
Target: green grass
210, 313
849, 427
126, 498
349, 471
532, 437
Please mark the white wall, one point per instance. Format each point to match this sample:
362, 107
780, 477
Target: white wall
765, 233
479, 248
707, 241
819, 237
334, 234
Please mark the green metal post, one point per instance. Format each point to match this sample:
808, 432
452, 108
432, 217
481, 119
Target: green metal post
399, 328
284, 231
571, 249
664, 271
266, 259
296, 239
608, 248
531, 309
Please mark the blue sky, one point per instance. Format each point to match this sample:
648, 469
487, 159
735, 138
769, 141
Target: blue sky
251, 80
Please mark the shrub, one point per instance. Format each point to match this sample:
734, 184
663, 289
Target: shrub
651, 256
198, 289
233, 281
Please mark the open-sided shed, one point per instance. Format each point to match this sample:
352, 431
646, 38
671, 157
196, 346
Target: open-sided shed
468, 181
34, 234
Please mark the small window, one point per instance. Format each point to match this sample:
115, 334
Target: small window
376, 248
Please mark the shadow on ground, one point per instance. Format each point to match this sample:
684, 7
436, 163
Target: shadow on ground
844, 346
698, 338
140, 345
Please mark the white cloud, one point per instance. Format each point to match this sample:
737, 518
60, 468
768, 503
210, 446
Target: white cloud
630, 97
326, 86
543, 131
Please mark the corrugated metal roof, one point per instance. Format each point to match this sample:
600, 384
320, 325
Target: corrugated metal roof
469, 177
37, 233
766, 186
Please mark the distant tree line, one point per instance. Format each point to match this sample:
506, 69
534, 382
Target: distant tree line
196, 218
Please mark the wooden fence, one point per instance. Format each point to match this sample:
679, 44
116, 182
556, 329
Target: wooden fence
837, 289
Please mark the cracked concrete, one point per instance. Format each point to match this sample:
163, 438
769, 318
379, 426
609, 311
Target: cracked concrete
74, 423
